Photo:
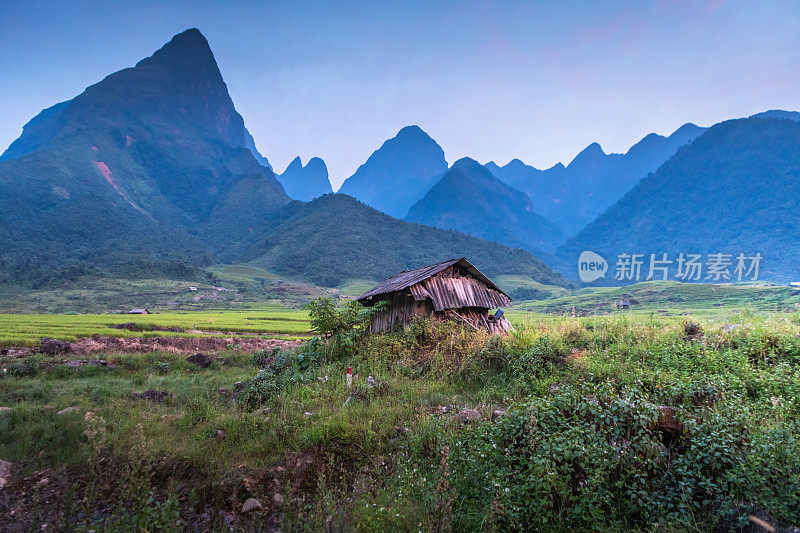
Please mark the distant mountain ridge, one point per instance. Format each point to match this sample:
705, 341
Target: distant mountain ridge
398, 173
574, 195
470, 199
306, 182
735, 190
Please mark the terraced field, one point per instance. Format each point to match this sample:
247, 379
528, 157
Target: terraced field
672, 297
28, 330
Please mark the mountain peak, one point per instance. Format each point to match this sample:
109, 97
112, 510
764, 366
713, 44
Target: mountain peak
591, 153
412, 131
296, 164
466, 162
188, 51
687, 131
306, 182
398, 173
778, 113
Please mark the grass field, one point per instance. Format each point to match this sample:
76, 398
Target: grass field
274, 322
672, 297
218, 288
582, 442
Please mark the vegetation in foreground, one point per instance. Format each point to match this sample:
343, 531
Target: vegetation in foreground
614, 423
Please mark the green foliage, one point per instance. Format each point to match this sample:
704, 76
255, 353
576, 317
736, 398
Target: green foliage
585, 442
309, 243
274, 373
538, 359
344, 326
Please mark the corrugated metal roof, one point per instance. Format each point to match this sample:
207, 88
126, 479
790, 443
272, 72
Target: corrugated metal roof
454, 293
445, 293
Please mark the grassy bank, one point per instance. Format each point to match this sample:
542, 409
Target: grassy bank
613, 423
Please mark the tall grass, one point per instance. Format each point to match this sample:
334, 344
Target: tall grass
580, 443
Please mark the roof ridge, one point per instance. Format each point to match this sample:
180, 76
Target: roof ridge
407, 278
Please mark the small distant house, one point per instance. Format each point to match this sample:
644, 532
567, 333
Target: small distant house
795, 284
452, 289
624, 304
139, 312
192, 288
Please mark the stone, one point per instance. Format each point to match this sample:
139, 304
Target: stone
155, 396
731, 327
91, 362
250, 505
5, 469
553, 388
43, 482
692, 330
5, 473
278, 498
469, 415
66, 410
5, 410
370, 381
199, 359
54, 346
497, 414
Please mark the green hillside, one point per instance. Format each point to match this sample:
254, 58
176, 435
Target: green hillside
328, 240
671, 297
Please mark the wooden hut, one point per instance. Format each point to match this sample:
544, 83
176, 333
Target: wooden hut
453, 289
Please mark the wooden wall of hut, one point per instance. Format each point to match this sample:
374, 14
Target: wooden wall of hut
404, 308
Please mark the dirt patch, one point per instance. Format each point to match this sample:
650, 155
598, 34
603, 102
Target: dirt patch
104, 343
132, 326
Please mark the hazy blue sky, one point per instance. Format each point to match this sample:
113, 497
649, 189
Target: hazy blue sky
490, 80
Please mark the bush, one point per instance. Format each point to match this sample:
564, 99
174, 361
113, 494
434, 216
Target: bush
541, 357
344, 326
25, 367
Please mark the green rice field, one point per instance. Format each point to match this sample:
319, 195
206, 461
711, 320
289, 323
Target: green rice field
28, 330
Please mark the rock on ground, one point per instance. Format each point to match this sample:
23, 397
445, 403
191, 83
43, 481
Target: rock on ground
54, 346
731, 327
497, 414
199, 359
469, 415
250, 505
5, 473
156, 396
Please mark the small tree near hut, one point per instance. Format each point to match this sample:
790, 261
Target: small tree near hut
342, 325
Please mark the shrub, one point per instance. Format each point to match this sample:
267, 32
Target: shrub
344, 326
